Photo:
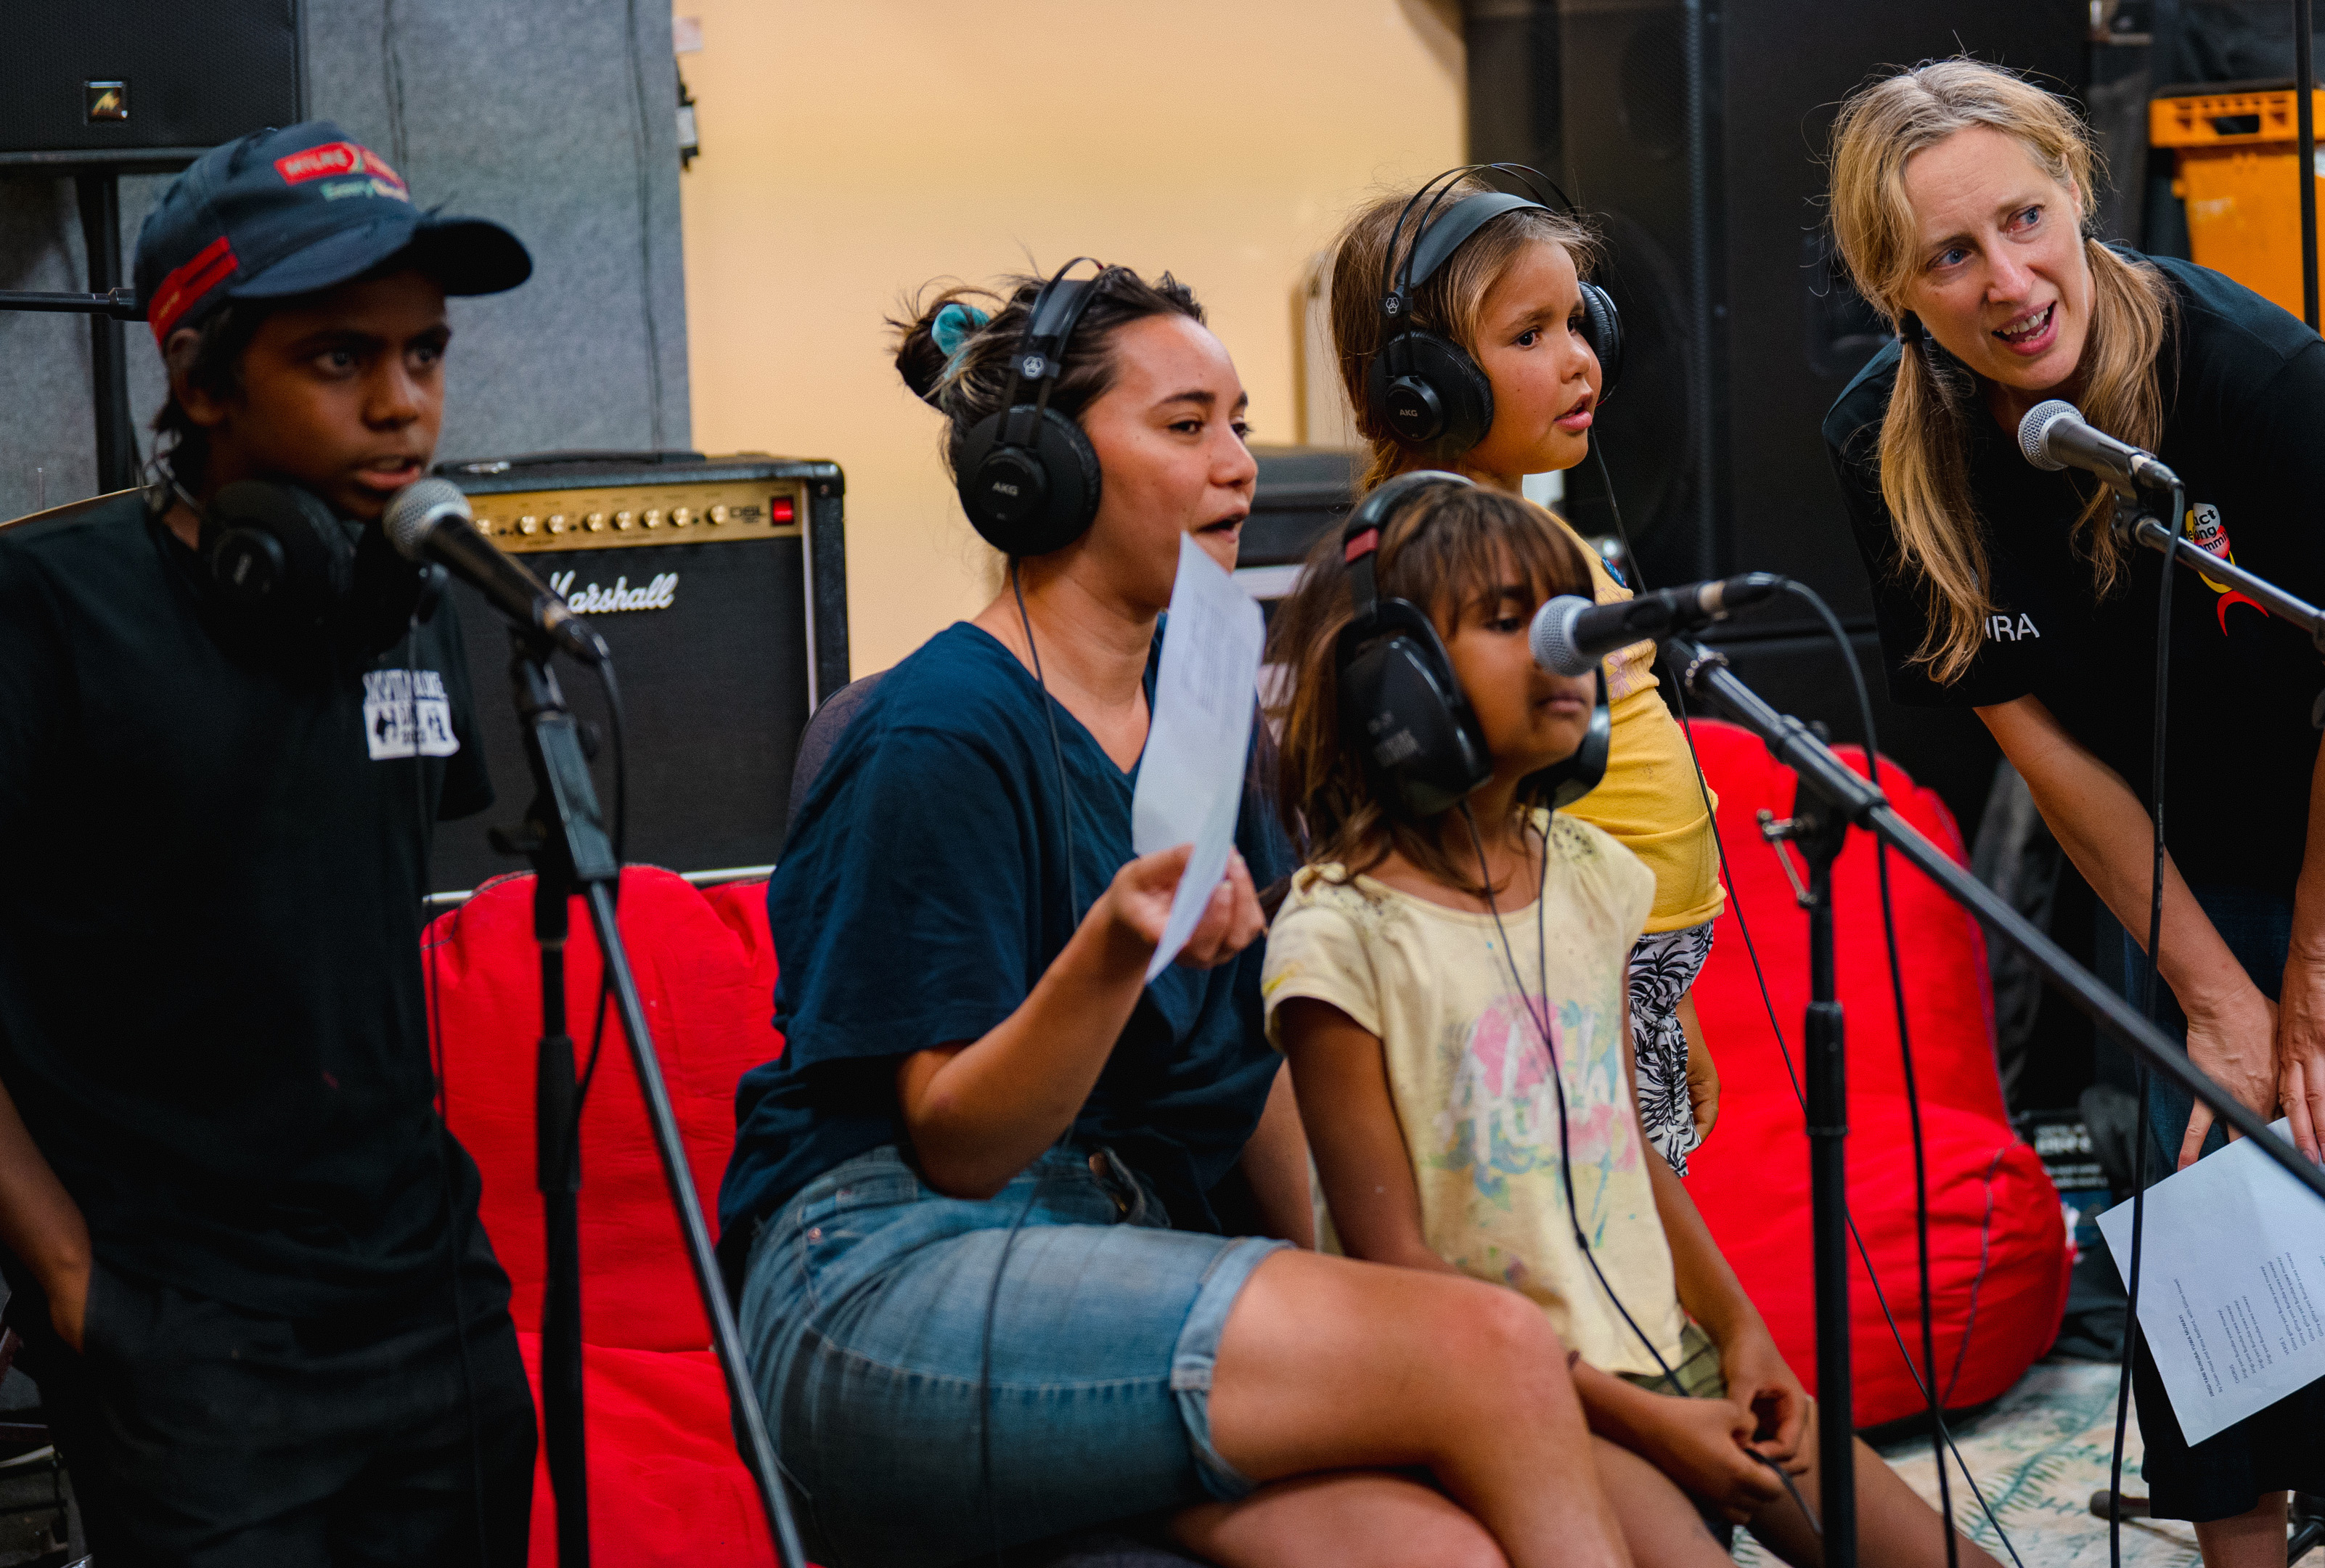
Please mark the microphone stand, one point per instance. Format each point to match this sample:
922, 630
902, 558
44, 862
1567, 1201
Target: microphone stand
1831, 796
564, 836
2134, 524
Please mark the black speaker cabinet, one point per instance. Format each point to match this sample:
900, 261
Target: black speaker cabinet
132, 81
721, 586
1695, 133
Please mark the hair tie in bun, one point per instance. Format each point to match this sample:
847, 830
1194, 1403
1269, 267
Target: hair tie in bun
951, 329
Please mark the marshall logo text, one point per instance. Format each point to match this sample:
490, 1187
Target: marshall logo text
595, 599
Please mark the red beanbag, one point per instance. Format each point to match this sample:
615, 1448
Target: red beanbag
666, 1483
1998, 1250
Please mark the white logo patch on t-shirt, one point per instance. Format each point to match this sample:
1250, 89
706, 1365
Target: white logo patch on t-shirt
407, 714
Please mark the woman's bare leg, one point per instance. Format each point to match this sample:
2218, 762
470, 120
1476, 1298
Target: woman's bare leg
1330, 1364
2254, 1539
1361, 1519
1894, 1524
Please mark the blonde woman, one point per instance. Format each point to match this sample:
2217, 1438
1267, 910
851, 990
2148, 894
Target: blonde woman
1961, 203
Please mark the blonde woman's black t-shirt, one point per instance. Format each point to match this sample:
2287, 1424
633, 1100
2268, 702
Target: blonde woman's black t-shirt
2244, 389
212, 853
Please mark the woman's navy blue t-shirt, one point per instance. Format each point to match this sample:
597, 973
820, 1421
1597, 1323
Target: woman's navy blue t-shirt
922, 895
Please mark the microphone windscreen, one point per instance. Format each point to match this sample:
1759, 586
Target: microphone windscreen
2034, 431
416, 510
1552, 636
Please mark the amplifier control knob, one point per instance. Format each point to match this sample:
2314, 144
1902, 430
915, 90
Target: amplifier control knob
595, 522
653, 517
680, 517
528, 525
718, 515
557, 522
624, 519
487, 527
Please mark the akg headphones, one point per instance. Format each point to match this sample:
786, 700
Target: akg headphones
1028, 475
276, 557
1402, 707
1424, 386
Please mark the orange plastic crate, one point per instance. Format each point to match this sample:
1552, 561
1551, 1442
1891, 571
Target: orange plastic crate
2235, 156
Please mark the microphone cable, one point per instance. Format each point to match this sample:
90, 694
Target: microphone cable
617, 724
2149, 985
1926, 1386
1929, 1380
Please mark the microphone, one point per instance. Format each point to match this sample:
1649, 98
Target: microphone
429, 520
2054, 435
1570, 635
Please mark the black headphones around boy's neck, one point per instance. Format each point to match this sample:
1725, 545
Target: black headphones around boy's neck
277, 558
1028, 477
1424, 387
1402, 707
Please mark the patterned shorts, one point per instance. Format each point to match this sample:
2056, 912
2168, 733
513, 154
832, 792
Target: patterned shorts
1663, 965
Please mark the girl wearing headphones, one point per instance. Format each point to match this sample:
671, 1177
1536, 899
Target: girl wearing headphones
972, 1206
1488, 368
1465, 1081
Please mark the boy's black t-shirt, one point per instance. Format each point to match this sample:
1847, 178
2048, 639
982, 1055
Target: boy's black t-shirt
2244, 389
214, 843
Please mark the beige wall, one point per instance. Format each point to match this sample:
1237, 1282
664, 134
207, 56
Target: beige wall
856, 148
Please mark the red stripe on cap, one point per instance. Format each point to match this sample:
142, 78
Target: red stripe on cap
1363, 543
184, 289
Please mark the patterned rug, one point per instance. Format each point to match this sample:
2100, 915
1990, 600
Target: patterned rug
2038, 1455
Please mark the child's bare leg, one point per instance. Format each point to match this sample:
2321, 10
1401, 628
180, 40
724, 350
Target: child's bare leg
1660, 1524
1894, 1524
1360, 1518
1330, 1364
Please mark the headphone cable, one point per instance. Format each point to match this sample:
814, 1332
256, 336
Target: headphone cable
1041, 1171
1557, 1072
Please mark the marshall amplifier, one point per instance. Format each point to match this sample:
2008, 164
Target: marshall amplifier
721, 585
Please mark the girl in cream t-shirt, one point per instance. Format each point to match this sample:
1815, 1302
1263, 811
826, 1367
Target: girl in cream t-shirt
1474, 1088
1450, 991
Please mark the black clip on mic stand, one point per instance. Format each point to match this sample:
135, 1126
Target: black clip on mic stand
2134, 524
1830, 797
564, 836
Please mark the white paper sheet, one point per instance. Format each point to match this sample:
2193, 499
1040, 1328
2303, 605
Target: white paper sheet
2231, 1285
1191, 779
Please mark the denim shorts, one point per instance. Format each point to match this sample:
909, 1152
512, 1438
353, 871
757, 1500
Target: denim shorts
865, 1307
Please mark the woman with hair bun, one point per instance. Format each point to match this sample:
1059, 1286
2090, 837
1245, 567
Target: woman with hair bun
1960, 200
972, 1206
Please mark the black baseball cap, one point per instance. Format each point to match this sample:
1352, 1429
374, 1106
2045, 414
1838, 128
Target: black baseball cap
283, 212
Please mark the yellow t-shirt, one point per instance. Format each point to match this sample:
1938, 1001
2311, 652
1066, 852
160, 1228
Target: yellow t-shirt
1650, 798
1471, 1080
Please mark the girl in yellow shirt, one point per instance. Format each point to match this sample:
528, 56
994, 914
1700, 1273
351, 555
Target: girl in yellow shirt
1461, 1062
1493, 287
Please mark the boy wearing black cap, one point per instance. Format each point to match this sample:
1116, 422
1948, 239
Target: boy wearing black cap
246, 1264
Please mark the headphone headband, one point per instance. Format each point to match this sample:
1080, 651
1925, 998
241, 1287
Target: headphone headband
1360, 538
1040, 356
1440, 239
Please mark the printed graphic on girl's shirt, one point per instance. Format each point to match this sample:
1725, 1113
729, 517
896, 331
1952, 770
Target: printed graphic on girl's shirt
1500, 1118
